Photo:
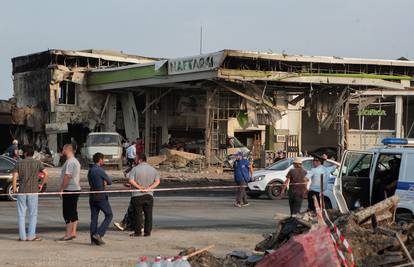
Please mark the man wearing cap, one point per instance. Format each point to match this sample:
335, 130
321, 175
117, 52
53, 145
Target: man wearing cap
296, 179
314, 175
243, 171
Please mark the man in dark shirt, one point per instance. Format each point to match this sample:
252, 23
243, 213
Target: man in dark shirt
13, 150
98, 178
27, 170
296, 177
243, 172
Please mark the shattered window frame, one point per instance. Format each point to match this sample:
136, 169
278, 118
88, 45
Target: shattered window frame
384, 121
67, 93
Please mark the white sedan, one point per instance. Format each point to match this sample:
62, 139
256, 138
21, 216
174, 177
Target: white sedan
269, 180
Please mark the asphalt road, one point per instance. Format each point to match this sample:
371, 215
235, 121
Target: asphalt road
181, 220
172, 210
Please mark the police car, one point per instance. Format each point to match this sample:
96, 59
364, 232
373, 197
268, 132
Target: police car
367, 177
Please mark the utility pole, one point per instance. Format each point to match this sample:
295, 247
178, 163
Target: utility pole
201, 40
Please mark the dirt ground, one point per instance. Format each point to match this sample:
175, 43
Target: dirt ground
120, 250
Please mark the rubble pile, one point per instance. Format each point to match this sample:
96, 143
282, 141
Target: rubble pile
206, 259
175, 159
375, 237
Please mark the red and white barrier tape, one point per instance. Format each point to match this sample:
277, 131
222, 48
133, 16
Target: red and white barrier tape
342, 241
134, 190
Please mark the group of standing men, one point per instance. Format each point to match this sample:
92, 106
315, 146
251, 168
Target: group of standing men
142, 177
298, 178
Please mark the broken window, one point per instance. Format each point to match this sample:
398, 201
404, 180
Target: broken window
67, 93
376, 116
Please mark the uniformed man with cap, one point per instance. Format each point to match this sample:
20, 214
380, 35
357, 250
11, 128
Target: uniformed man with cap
297, 181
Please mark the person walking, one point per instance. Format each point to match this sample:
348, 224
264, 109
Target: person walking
70, 183
144, 178
131, 153
296, 180
98, 179
314, 175
13, 150
26, 170
243, 171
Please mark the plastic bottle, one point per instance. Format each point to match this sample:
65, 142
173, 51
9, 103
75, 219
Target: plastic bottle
167, 262
157, 262
143, 262
184, 262
177, 261
181, 262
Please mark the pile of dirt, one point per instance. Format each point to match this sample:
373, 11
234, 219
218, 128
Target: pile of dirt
176, 159
206, 259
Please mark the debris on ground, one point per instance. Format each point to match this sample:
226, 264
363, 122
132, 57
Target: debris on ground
170, 158
207, 259
373, 235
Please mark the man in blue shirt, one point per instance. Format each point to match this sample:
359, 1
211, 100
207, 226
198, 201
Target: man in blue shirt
314, 175
243, 171
13, 150
98, 179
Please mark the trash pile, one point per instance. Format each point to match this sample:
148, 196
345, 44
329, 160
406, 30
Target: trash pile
374, 237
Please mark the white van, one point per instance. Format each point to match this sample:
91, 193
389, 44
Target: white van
107, 143
367, 177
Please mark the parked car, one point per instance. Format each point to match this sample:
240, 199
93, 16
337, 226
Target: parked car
367, 177
107, 143
6, 167
269, 181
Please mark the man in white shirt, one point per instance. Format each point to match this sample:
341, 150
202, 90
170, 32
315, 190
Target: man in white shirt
131, 153
314, 175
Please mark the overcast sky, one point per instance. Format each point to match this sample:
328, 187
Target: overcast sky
170, 28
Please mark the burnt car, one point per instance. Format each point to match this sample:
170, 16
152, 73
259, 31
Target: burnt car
7, 165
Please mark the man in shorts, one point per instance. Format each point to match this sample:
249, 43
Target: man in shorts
70, 184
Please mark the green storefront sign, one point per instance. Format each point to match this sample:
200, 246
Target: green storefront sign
372, 112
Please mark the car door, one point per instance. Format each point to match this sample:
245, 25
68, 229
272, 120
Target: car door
352, 187
6, 166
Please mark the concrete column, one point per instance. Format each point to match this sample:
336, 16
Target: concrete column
52, 142
207, 136
147, 135
164, 116
399, 109
130, 114
110, 114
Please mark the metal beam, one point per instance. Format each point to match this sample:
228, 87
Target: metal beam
385, 92
155, 81
341, 79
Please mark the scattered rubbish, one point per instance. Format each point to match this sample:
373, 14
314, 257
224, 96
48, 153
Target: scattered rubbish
375, 238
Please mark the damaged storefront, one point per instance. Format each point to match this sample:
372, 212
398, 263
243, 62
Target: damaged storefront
268, 101
215, 104
53, 102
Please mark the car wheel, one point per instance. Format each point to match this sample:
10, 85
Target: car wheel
253, 194
9, 192
274, 190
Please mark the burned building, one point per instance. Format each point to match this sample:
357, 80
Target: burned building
50, 88
297, 102
201, 103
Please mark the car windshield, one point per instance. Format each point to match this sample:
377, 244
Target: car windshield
280, 165
103, 140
